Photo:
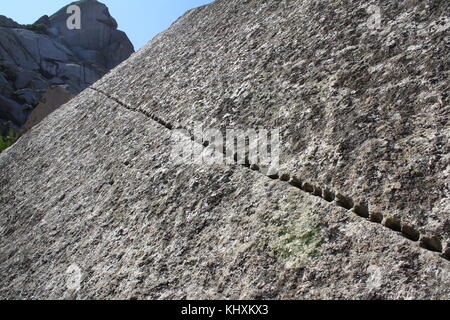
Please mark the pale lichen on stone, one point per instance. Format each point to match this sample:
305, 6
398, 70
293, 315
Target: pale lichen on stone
297, 243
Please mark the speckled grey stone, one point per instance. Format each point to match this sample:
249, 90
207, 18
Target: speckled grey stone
362, 114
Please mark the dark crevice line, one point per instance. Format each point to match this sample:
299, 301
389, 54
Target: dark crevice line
433, 243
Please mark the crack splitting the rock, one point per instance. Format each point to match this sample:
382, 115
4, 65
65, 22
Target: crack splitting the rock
433, 244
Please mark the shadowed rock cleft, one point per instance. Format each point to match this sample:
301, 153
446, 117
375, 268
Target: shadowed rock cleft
362, 210
307, 187
296, 182
431, 243
410, 233
376, 217
344, 201
446, 254
317, 191
328, 195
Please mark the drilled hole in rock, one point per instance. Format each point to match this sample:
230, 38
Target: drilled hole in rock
344, 201
273, 176
431, 243
317, 191
328, 195
285, 177
205, 144
376, 217
247, 163
308, 187
410, 233
446, 254
254, 167
295, 182
362, 210
393, 224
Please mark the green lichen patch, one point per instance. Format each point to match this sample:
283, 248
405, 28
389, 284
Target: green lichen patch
293, 234
297, 243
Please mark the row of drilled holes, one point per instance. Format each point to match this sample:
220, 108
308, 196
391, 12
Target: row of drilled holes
432, 243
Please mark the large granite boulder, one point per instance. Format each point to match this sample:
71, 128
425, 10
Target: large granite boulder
94, 206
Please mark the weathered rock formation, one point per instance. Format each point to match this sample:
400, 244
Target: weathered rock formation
35, 58
359, 209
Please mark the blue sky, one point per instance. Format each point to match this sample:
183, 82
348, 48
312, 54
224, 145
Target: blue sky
140, 19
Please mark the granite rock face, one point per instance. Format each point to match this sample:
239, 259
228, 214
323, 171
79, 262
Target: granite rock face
98, 41
48, 54
358, 210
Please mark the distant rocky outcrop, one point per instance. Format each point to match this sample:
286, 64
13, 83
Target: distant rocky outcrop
34, 58
93, 204
6, 22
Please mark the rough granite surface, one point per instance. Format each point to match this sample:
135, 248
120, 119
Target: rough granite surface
363, 113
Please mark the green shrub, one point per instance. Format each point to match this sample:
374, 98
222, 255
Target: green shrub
8, 140
37, 28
